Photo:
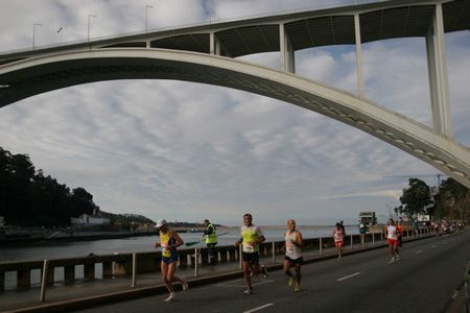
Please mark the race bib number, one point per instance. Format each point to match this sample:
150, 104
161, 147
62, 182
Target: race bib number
248, 248
165, 251
290, 249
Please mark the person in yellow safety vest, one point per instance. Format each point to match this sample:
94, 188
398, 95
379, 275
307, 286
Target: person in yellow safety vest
210, 233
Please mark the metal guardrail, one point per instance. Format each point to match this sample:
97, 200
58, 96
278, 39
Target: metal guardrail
132, 264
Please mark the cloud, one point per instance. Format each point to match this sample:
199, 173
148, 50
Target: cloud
187, 151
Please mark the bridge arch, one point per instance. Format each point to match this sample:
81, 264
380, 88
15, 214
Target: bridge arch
23, 79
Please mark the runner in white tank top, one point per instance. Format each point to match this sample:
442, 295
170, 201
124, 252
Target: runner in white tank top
392, 240
293, 257
292, 251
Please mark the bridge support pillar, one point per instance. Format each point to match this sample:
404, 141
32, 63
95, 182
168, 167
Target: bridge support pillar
69, 274
438, 78
359, 69
287, 52
107, 269
89, 271
23, 279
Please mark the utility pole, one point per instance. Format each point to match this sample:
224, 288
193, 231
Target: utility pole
34, 33
89, 25
146, 15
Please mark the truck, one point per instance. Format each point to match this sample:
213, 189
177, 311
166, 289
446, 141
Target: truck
368, 217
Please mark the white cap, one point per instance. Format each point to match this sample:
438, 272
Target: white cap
160, 223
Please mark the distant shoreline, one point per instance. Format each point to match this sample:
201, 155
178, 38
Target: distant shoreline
76, 236
80, 235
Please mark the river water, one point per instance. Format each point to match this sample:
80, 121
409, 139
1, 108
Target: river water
39, 251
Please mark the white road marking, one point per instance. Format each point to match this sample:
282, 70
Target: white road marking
262, 282
349, 276
232, 285
241, 283
259, 308
419, 251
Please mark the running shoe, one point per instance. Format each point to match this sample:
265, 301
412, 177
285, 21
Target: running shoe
391, 261
171, 297
290, 282
297, 287
249, 291
397, 258
264, 270
184, 283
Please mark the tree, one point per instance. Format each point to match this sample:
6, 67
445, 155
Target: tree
16, 176
416, 199
82, 202
30, 198
453, 200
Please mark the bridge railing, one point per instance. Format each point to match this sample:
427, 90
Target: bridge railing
34, 274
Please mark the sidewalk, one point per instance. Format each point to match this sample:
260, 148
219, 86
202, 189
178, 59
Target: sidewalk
62, 298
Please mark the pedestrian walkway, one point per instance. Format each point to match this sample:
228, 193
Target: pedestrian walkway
62, 298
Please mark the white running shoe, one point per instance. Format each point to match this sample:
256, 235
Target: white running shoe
264, 270
184, 283
391, 261
171, 297
249, 291
297, 287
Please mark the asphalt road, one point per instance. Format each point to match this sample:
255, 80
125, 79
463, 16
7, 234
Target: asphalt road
424, 281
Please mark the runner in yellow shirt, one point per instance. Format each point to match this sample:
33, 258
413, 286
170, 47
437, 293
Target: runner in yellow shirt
251, 237
169, 241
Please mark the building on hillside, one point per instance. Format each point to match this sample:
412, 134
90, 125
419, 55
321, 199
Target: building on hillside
88, 220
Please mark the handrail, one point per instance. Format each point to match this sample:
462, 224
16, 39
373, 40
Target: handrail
133, 264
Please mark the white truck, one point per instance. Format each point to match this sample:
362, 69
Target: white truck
368, 217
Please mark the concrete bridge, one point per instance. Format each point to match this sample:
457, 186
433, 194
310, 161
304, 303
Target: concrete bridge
207, 54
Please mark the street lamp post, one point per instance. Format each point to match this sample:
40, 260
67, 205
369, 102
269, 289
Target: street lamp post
146, 15
59, 33
89, 24
34, 33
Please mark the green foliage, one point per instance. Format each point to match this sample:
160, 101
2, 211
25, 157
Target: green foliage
29, 198
416, 199
126, 221
451, 200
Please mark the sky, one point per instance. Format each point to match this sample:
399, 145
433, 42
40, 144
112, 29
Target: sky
186, 151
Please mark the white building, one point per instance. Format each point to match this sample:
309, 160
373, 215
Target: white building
88, 220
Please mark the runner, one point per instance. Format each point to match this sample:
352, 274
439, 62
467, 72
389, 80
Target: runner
392, 240
338, 236
169, 241
293, 246
251, 237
